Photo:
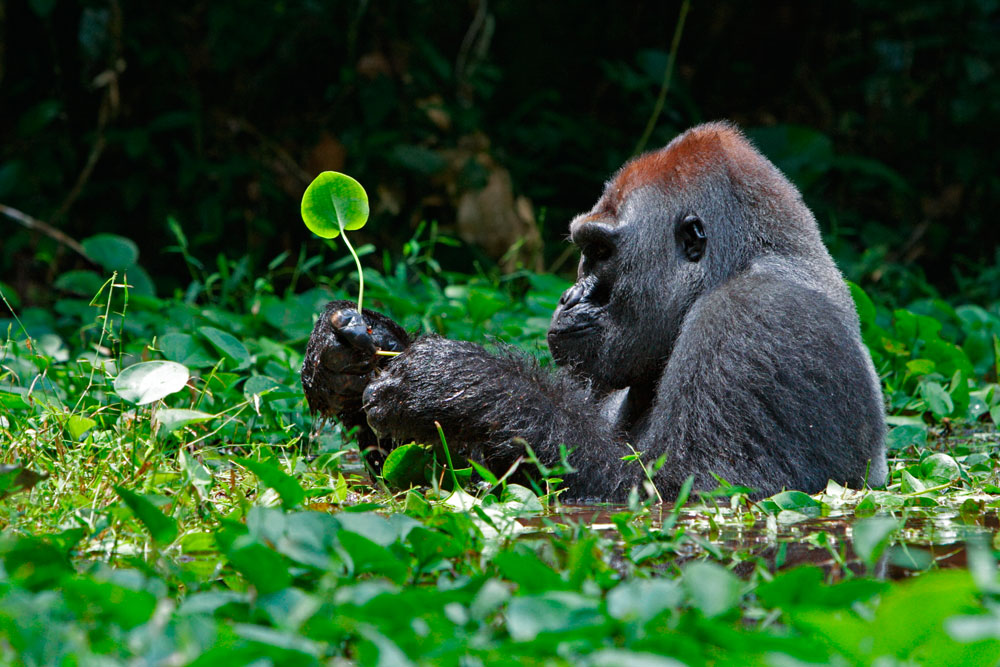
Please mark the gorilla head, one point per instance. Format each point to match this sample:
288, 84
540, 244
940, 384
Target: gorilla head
671, 226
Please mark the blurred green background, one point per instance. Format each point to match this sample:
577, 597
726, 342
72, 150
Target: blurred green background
499, 120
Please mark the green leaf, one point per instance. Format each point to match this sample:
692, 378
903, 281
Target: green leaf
185, 349
332, 203
938, 400
405, 466
367, 556
940, 467
920, 366
83, 283
906, 436
162, 528
557, 611
77, 426
286, 486
150, 381
228, 345
796, 500
713, 589
113, 252
264, 568
872, 536
641, 600
173, 419
866, 309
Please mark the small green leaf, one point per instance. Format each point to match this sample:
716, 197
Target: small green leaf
796, 500
940, 467
174, 419
263, 567
405, 466
938, 400
334, 202
162, 528
554, 612
906, 435
77, 426
150, 381
287, 487
186, 349
228, 345
112, 252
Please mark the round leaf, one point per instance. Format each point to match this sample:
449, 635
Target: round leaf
111, 251
334, 202
405, 466
150, 381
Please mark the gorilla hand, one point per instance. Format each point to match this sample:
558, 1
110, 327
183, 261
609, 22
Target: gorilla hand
404, 401
342, 354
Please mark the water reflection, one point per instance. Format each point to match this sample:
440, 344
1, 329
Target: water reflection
928, 537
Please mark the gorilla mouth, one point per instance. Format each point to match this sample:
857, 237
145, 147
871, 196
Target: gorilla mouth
574, 331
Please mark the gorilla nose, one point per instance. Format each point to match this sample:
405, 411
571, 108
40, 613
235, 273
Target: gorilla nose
571, 297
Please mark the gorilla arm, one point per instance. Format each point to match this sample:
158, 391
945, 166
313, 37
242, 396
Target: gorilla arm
486, 404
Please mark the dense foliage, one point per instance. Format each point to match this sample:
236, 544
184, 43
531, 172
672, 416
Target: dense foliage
166, 499
192, 518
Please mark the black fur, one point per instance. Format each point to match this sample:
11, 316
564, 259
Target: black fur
708, 323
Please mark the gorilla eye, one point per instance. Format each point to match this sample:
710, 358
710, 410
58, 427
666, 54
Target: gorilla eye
597, 252
691, 237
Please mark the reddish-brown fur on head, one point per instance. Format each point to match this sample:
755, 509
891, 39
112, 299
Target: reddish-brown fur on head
685, 158
702, 156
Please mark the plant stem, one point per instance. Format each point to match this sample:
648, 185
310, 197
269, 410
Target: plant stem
447, 455
667, 74
357, 262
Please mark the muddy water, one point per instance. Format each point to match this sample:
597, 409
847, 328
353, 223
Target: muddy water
929, 537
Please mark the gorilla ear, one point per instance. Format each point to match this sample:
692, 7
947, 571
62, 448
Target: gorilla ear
691, 237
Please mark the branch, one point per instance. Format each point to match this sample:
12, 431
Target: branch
37, 225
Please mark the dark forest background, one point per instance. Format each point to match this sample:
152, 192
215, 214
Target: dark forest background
500, 120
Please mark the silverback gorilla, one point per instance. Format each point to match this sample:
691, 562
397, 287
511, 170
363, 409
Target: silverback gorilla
708, 322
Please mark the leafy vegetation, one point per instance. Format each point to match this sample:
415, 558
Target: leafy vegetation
166, 499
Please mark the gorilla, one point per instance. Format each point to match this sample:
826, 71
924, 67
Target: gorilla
708, 323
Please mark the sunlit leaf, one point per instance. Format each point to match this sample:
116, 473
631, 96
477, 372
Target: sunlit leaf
334, 201
150, 381
173, 419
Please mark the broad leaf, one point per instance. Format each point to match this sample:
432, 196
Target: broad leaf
150, 381
334, 202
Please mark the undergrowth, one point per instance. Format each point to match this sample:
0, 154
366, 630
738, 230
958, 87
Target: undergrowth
216, 525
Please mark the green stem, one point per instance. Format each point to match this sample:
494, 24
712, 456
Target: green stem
667, 74
357, 262
447, 455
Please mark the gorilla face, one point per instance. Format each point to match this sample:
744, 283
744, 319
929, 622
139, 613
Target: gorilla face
641, 268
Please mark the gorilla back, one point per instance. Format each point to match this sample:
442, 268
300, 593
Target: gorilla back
708, 323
